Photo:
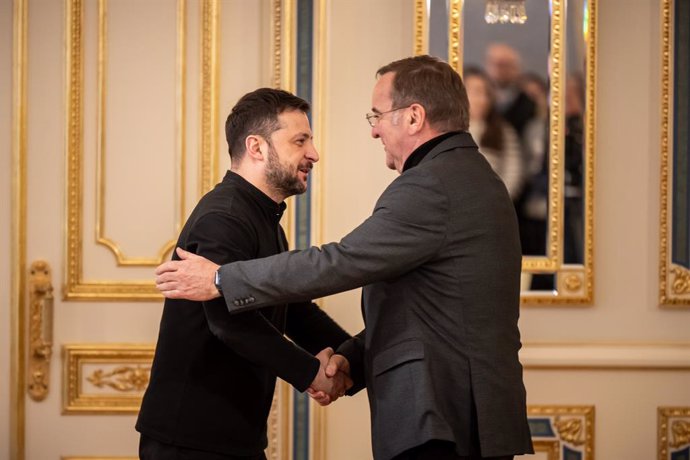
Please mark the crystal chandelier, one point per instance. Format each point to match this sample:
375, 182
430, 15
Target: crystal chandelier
505, 11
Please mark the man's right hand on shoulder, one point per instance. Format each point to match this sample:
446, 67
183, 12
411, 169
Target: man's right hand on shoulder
191, 277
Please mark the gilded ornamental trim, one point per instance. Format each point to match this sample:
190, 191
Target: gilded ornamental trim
104, 378
18, 234
674, 280
180, 122
575, 283
673, 432
76, 286
560, 430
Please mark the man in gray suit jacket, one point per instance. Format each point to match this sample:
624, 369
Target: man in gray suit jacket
440, 263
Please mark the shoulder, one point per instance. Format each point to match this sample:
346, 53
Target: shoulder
417, 191
221, 210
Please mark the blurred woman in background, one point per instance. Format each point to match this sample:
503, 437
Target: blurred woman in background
496, 138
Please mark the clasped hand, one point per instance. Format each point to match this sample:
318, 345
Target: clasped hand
333, 378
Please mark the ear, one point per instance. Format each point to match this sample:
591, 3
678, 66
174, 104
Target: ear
254, 146
417, 118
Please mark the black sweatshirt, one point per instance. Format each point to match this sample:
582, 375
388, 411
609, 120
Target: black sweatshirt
213, 374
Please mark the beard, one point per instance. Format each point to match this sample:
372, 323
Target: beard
282, 178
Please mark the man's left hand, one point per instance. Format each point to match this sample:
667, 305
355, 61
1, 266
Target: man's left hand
190, 278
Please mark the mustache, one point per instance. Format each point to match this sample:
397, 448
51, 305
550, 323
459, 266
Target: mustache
306, 165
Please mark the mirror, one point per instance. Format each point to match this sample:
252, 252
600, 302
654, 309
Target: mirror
675, 157
531, 91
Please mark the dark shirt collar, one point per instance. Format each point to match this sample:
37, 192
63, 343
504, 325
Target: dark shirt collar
420, 152
266, 202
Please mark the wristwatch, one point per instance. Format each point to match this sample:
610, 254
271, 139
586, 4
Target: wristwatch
216, 281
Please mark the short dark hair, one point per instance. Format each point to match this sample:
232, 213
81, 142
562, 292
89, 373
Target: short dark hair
434, 85
257, 113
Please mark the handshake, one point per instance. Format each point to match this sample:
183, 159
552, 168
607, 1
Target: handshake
333, 378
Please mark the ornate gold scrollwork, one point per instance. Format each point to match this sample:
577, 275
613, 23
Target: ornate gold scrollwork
681, 282
122, 378
40, 329
673, 429
681, 433
572, 283
570, 430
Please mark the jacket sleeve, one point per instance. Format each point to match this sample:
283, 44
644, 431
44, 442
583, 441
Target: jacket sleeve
224, 239
407, 228
353, 350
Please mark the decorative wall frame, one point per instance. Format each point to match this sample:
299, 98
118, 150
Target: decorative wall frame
673, 433
563, 432
104, 378
573, 283
76, 287
674, 252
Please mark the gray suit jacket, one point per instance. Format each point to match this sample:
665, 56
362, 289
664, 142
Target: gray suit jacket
440, 263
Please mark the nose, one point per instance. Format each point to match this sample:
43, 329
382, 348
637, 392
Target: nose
313, 154
375, 132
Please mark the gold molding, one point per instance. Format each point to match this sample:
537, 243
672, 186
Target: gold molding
590, 141
75, 287
102, 59
284, 77
455, 37
278, 424
122, 378
556, 134
421, 27
17, 416
674, 280
276, 42
672, 434
574, 426
74, 357
209, 96
282, 55
550, 448
575, 282
319, 109
40, 329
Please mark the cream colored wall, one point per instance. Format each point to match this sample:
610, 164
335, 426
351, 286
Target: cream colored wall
611, 354
353, 167
5, 221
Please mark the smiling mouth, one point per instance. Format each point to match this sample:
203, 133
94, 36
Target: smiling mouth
305, 169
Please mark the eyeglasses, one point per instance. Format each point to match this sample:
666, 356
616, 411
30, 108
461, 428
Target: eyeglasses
373, 118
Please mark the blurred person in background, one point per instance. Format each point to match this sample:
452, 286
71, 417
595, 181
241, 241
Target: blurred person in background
503, 66
497, 139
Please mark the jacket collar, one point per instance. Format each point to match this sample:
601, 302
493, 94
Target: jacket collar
437, 145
